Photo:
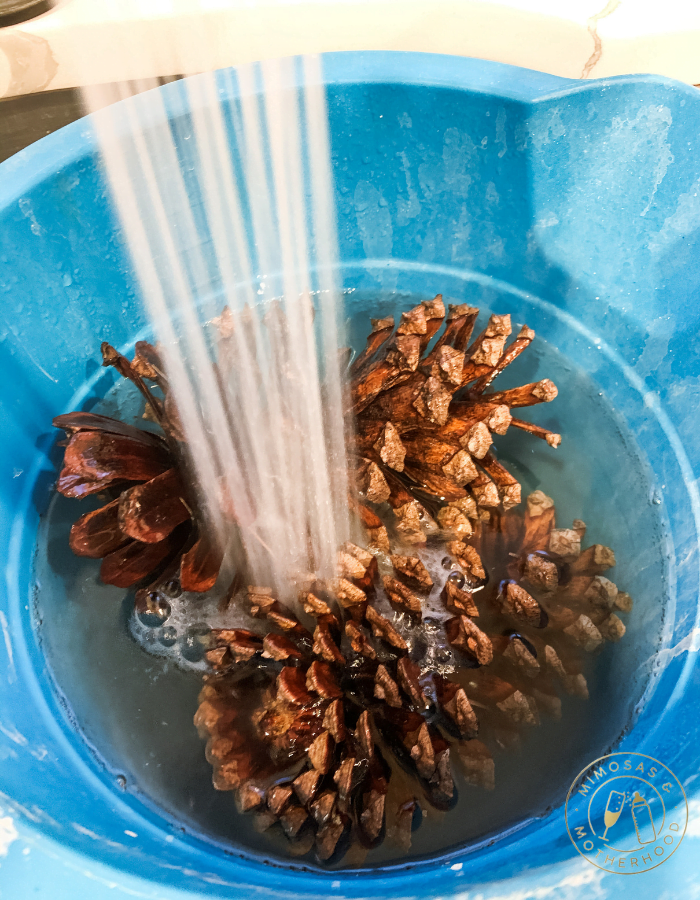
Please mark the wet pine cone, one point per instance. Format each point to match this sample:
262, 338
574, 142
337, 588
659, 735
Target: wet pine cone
145, 533
424, 421
341, 732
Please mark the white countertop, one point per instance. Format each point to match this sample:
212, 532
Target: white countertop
98, 41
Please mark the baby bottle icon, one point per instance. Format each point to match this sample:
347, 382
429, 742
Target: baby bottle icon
643, 819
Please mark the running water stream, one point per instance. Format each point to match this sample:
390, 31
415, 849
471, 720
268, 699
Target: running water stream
227, 212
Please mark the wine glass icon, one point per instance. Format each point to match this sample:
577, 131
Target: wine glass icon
613, 808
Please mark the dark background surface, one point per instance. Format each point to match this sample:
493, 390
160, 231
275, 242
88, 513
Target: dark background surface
24, 120
12, 12
27, 118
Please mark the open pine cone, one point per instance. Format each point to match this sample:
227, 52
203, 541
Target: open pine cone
422, 448
146, 531
338, 729
341, 731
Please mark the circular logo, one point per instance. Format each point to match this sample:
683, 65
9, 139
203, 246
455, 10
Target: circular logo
626, 813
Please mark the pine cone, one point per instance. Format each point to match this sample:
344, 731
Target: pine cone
424, 421
146, 529
329, 712
551, 590
338, 706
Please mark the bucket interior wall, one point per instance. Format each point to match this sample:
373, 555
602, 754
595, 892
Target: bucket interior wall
573, 207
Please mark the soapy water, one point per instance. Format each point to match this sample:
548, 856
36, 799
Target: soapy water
166, 627
135, 708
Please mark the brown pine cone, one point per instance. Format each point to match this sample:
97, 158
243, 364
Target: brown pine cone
146, 532
424, 420
337, 705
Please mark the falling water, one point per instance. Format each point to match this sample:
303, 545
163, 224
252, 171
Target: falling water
224, 191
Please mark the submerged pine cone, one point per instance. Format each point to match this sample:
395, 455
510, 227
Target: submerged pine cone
337, 709
146, 531
550, 580
339, 733
424, 423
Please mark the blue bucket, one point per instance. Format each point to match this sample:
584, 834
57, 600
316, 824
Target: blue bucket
573, 206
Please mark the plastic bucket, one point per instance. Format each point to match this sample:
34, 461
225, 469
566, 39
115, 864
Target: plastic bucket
576, 207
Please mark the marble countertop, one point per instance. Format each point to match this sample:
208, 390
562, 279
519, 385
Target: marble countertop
83, 42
